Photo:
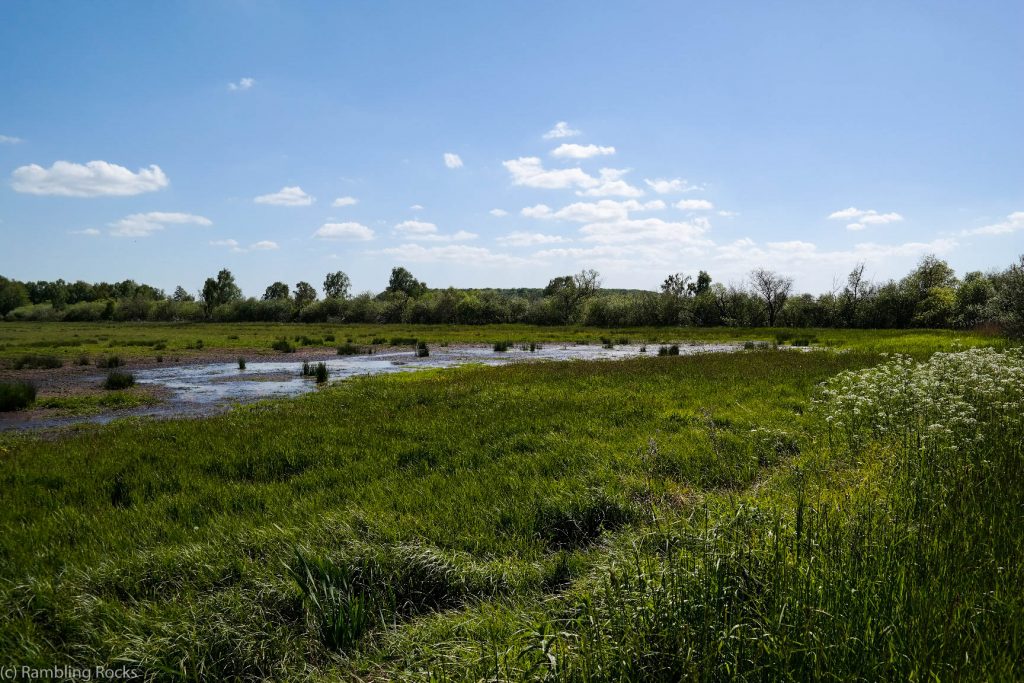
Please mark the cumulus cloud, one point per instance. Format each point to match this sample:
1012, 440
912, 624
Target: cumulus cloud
574, 151
649, 230
498, 212
530, 239
91, 232
561, 130
224, 243
93, 179
286, 196
1013, 223
452, 160
530, 172
264, 245
670, 185
694, 205
588, 212
456, 253
243, 84
145, 224
428, 232
344, 231
345, 201
10, 140
416, 207
863, 217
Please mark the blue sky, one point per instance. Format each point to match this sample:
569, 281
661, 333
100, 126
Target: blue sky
501, 144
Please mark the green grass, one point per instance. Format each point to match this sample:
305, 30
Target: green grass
67, 341
658, 518
90, 404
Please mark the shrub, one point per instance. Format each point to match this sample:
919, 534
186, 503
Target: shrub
118, 379
330, 338
501, 346
83, 360
197, 344
109, 362
283, 345
422, 351
241, 363
159, 346
348, 349
321, 373
16, 395
402, 341
669, 350
159, 358
36, 361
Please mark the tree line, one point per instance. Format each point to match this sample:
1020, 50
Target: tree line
931, 295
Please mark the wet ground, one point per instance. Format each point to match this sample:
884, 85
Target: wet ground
204, 388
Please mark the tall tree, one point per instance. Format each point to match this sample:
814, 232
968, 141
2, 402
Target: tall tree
276, 291
337, 286
773, 289
402, 281
304, 294
181, 295
220, 291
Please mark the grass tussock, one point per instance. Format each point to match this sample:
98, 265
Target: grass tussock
36, 361
119, 379
16, 395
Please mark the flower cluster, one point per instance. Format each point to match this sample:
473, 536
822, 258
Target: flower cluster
946, 402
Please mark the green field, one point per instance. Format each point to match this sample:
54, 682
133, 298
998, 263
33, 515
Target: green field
715, 517
145, 340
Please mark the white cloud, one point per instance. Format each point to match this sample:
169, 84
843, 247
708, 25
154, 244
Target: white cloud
648, 230
456, 253
530, 172
416, 207
574, 151
1013, 223
863, 217
670, 185
286, 196
91, 232
561, 130
694, 205
498, 212
10, 140
264, 245
345, 201
145, 224
93, 179
344, 231
452, 160
589, 212
427, 232
224, 243
611, 184
243, 84
728, 214
529, 239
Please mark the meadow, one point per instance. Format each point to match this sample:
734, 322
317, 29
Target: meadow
762, 515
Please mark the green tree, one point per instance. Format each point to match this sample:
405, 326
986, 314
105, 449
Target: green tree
403, 282
12, 295
337, 286
220, 291
181, 296
276, 291
305, 294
